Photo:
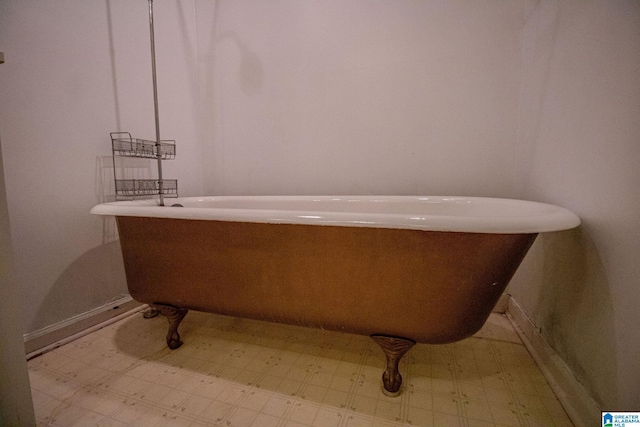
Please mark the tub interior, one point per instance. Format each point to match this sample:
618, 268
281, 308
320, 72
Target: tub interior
417, 206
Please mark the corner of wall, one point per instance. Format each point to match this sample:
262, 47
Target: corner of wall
577, 402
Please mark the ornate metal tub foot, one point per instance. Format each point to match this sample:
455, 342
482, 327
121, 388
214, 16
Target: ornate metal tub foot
394, 348
150, 312
175, 316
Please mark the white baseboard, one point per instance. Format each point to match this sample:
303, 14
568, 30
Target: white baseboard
580, 407
53, 336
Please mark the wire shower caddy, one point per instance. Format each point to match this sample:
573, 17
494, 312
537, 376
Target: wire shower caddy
123, 145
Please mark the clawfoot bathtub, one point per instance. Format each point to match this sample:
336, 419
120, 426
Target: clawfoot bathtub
399, 269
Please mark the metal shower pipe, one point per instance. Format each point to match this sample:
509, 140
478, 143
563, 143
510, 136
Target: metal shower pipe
155, 104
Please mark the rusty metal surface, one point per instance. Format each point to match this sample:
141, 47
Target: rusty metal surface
430, 287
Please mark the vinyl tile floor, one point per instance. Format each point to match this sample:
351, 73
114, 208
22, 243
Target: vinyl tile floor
236, 372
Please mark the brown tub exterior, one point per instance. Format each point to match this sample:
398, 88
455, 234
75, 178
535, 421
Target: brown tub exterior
420, 286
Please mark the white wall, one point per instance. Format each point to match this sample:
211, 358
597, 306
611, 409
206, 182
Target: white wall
579, 146
361, 97
75, 71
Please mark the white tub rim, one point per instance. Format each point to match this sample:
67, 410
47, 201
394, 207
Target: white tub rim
463, 214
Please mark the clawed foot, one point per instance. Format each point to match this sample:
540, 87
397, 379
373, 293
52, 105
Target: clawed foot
174, 315
391, 382
394, 348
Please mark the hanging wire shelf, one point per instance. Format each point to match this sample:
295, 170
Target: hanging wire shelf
146, 187
124, 145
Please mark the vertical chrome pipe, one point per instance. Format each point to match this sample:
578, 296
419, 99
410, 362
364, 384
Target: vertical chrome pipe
155, 104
